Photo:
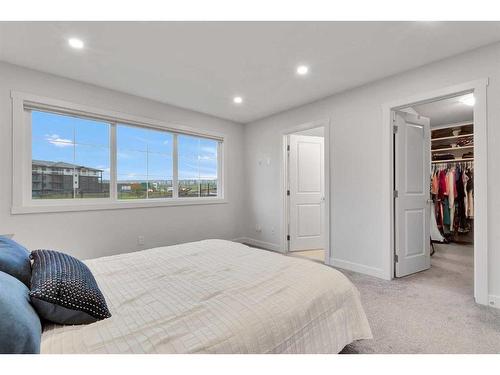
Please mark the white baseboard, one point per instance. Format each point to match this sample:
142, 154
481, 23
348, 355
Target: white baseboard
239, 239
359, 268
494, 301
258, 243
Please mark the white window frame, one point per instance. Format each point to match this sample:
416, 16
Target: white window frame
22, 201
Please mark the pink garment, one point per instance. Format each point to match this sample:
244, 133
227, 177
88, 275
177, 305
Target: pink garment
443, 191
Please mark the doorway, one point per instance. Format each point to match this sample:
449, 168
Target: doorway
305, 194
434, 170
438, 188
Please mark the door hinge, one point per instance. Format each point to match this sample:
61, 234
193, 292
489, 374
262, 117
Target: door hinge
288, 147
396, 194
394, 129
288, 192
396, 258
288, 237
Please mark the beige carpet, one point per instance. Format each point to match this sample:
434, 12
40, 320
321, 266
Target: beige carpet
428, 312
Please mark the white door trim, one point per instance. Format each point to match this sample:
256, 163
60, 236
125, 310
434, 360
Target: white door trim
325, 123
479, 88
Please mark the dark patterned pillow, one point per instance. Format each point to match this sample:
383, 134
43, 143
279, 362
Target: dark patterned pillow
64, 291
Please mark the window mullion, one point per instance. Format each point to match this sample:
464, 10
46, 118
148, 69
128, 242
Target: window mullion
147, 171
27, 185
220, 174
76, 177
175, 169
113, 185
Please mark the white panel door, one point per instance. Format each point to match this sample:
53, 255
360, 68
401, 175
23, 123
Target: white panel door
307, 196
412, 204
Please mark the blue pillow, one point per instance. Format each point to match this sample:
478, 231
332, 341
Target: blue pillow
15, 260
64, 291
20, 326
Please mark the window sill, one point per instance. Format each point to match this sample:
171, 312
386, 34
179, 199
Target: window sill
50, 206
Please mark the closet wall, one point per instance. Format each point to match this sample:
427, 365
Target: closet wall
358, 190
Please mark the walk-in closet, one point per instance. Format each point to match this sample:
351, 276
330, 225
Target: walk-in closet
452, 184
451, 190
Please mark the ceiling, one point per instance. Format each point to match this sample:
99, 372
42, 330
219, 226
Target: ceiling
203, 65
446, 111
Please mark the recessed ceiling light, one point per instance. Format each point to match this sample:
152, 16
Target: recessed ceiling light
302, 70
238, 99
76, 43
468, 99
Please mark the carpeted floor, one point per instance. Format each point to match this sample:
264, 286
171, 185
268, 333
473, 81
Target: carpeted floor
428, 312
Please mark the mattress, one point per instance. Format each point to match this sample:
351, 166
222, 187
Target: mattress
216, 296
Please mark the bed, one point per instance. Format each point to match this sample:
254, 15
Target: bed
216, 296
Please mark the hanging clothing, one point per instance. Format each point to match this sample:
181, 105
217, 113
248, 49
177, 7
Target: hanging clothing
470, 195
451, 196
446, 211
443, 187
465, 179
470, 205
462, 221
435, 233
452, 192
438, 212
434, 184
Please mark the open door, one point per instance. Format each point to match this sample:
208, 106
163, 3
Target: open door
307, 195
412, 193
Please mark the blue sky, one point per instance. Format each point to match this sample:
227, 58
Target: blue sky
141, 152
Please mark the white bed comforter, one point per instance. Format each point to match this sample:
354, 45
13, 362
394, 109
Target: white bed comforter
216, 296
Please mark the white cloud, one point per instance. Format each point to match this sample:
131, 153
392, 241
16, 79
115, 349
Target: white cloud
207, 153
58, 141
205, 157
209, 150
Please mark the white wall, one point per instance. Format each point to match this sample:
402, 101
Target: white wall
314, 132
357, 188
98, 233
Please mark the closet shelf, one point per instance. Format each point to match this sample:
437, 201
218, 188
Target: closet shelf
452, 137
451, 160
452, 148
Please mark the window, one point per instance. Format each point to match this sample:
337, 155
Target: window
84, 158
144, 163
69, 157
197, 167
